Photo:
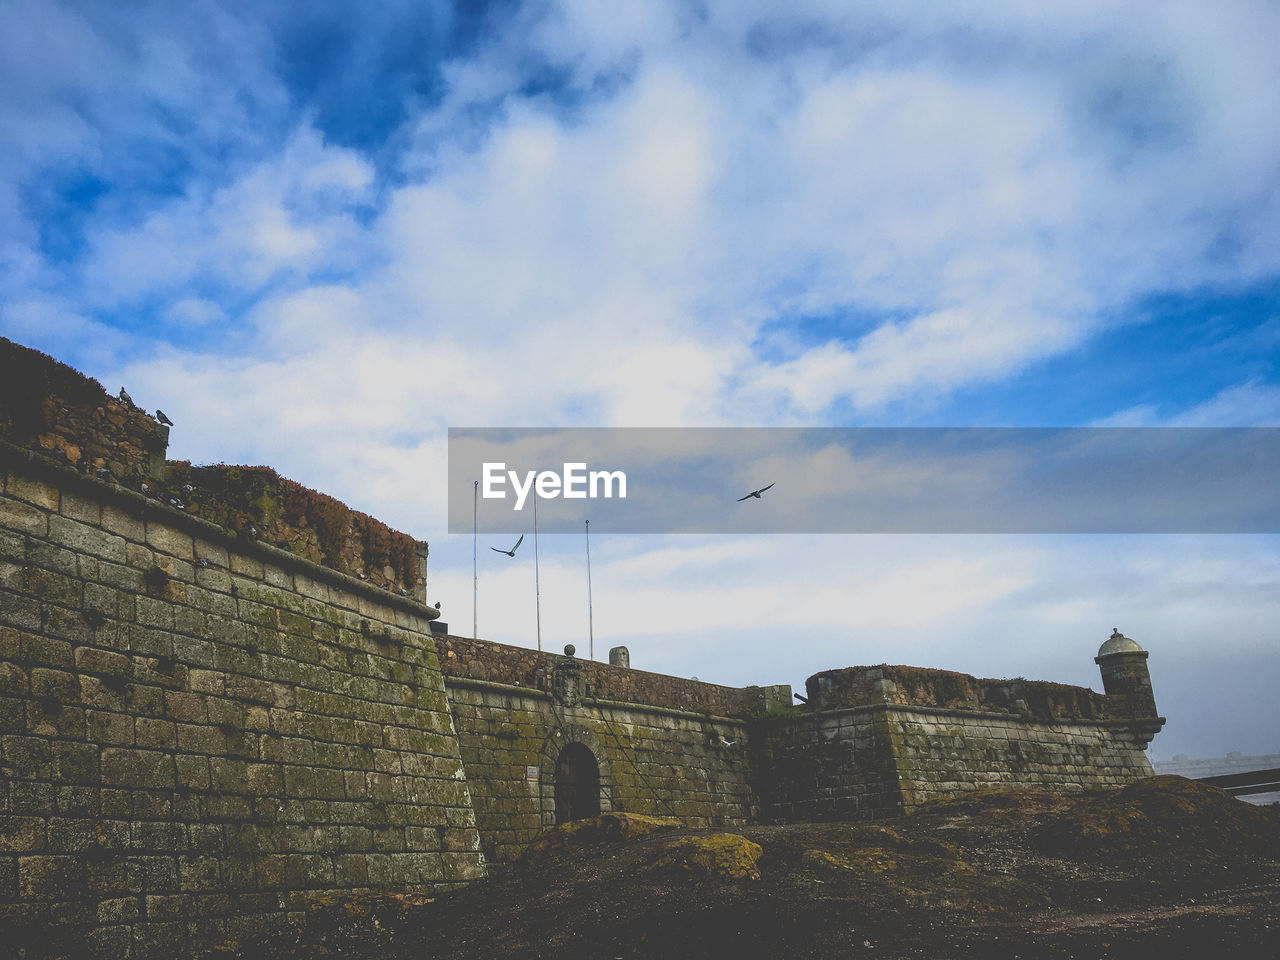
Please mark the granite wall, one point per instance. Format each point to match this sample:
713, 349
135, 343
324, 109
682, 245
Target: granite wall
221, 698
880, 741
664, 745
200, 732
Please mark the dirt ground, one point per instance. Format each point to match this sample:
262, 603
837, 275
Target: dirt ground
1163, 868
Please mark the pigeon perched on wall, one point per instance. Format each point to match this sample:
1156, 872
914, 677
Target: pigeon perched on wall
754, 493
162, 418
125, 398
512, 551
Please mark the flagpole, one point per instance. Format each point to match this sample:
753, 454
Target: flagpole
475, 564
537, 587
591, 635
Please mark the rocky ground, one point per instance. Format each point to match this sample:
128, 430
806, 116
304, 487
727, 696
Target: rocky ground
1163, 868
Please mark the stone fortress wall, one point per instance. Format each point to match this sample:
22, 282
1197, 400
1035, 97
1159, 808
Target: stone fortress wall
664, 746
200, 732
222, 696
876, 741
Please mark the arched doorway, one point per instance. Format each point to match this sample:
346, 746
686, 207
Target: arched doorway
577, 784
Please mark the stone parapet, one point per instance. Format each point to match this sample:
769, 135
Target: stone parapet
523, 667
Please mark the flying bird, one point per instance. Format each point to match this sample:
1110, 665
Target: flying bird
162, 418
512, 551
754, 493
125, 398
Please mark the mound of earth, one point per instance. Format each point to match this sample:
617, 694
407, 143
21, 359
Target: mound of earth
1169, 813
1165, 867
721, 856
581, 835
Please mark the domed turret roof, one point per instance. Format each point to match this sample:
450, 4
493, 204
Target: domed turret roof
1118, 643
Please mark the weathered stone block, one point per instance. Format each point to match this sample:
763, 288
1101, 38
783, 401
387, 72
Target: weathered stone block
69, 835
85, 538
155, 733
184, 707
119, 910
159, 836
115, 729
103, 663
32, 799
154, 873
51, 877
131, 767
168, 540
22, 834
49, 556
461, 867
139, 557
23, 518
122, 524
21, 611
75, 763
153, 612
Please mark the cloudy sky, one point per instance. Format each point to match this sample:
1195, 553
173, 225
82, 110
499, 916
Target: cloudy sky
318, 235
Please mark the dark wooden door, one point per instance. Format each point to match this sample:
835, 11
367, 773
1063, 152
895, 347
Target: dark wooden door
577, 784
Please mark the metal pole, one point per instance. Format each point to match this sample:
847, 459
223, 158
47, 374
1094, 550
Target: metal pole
475, 566
537, 587
591, 633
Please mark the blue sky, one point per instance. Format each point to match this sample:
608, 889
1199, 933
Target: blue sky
319, 235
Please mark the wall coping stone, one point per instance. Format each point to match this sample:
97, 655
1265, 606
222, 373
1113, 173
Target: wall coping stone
509, 688
1116, 722
461, 681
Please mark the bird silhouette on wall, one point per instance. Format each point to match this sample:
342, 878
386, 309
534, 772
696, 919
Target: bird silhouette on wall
162, 418
125, 398
754, 493
512, 551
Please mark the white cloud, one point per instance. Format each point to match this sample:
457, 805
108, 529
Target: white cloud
292, 215
1250, 404
954, 193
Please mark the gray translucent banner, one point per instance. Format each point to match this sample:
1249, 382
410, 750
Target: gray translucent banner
867, 480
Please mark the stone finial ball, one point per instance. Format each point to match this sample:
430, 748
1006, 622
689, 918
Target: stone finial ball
570, 649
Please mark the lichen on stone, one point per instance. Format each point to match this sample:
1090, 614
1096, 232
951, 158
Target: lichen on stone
720, 856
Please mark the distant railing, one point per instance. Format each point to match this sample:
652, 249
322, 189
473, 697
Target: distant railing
1243, 784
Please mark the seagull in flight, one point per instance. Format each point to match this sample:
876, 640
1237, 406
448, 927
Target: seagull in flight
512, 551
754, 493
